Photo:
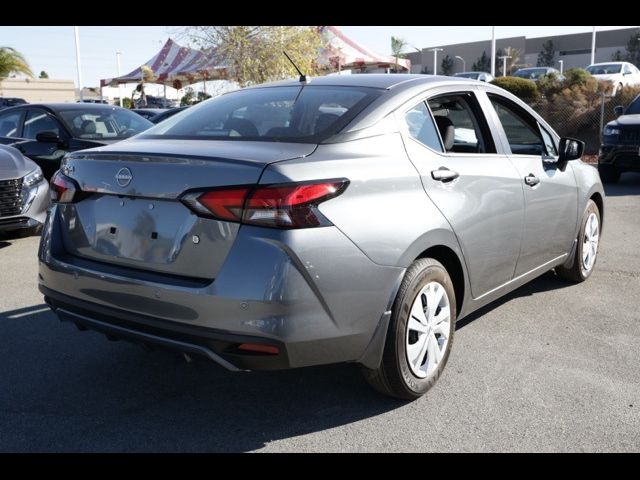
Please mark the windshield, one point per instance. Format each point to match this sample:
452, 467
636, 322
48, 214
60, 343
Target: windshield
306, 114
530, 73
634, 107
468, 75
604, 69
104, 123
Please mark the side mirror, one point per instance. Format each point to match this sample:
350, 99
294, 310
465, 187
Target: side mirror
48, 137
569, 149
619, 110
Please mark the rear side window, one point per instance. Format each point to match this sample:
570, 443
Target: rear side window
421, 127
9, 124
290, 114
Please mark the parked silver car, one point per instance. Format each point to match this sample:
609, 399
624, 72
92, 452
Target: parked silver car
24, 193
262, 232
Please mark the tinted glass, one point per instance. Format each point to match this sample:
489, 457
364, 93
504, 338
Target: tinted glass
109, 123
604, 69
475, 76
9, 123
290, 114
530, 73
38, 121
634, 107
421, 127
520, 128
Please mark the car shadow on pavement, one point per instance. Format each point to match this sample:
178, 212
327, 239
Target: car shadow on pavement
629, 184
65, 390
4, 244
544, 283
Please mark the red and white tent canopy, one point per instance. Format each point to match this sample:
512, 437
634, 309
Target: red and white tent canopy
352, 54
173, 64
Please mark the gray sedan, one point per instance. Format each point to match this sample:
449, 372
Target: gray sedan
341, 219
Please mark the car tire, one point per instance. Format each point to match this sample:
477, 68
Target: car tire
608, 174
427, 348
584, 261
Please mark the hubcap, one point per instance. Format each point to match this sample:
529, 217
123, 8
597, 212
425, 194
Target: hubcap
428, 330
590, 242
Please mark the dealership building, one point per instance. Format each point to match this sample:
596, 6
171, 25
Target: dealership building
574, 50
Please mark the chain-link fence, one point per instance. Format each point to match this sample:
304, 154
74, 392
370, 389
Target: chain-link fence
583, 115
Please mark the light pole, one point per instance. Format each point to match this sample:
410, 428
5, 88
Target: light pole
593, 46
504, 64
464, 64
75, 29
119, 84
493, 51
435, 59
561, 62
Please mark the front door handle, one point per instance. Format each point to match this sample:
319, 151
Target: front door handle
531, 180
443, 174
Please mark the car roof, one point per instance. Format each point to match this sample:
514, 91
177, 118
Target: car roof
66, 106
463, 73
384, 81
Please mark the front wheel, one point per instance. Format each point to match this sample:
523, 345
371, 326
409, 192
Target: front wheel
420, 332
586, 251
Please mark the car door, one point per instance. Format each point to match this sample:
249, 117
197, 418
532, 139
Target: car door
475, 186
551, 196
46, 154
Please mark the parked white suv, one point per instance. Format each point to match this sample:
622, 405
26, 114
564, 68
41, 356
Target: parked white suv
619, 74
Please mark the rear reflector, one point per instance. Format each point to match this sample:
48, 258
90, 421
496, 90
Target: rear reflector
281, 206
256, 347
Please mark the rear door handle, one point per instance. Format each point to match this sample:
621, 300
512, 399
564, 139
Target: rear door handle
531, 180
443, 174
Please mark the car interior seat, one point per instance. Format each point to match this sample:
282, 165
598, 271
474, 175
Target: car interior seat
88, 127
324, 121
244, 127
447, 132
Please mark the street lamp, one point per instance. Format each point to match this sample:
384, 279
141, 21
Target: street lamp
119, 84
464, 64
435, 59
504, 64
561, 62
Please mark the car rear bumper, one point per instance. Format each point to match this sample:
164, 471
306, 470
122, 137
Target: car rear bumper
310, 292
624, 158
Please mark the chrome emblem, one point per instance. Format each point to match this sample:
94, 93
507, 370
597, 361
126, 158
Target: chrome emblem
124, 177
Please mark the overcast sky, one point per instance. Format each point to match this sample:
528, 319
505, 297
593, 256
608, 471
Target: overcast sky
53, 49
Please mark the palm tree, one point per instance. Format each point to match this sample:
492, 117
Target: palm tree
397, 45
12, 61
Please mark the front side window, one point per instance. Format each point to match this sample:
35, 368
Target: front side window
38, 121
290, 114
109, 123
9, 124
461, 124
520, 128
421, 127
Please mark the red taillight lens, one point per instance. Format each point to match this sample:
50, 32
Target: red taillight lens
283, 206
62, 188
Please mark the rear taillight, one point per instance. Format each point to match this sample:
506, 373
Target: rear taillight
282, 206
63, 189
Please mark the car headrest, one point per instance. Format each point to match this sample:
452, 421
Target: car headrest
325, 120
244, 127
447, 131
88, 127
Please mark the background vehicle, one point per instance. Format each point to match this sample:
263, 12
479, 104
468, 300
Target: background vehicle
620, 149
24, 193
167, 114
46, 132
155, 102
263, 232
6, 102
148, 113
619, 74
534, 73
86, 100
482, 76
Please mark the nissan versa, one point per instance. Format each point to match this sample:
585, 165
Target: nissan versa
343, 219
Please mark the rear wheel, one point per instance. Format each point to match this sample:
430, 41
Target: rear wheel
420, 333
586, 252
608, 174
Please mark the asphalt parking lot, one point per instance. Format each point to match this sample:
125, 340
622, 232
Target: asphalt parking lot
552, 367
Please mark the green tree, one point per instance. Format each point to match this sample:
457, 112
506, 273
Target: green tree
617, 56
12, 61
397, 45
202, 96
546, 55
447, 65
633, 49
188, 98
483, 64
253, 54
43, 74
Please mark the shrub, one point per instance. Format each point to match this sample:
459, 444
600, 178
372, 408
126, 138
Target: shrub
576, 76
522, 88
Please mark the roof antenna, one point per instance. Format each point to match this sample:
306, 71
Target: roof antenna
303, 77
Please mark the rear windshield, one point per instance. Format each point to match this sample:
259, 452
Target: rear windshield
107, 123
305, 114
531, 73
468, 75
604, 69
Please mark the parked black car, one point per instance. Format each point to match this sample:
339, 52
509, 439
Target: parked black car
6, 102
620, 149
166, 114
46, 132
148, 113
